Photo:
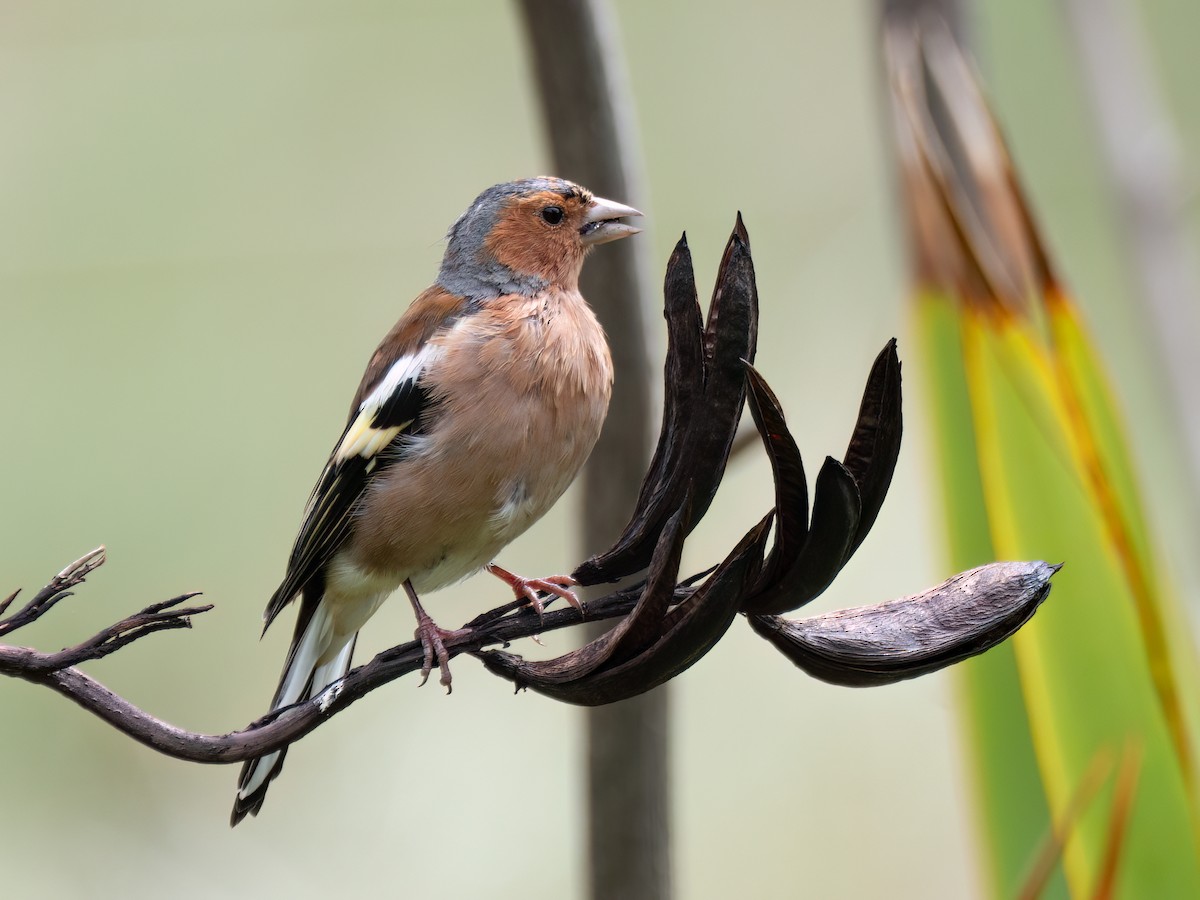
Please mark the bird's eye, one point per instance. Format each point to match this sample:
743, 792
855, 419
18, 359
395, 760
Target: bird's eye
552, 215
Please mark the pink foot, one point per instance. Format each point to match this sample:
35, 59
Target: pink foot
432, 640
527, 588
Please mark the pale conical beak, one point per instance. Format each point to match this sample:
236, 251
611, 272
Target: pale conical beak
601, 223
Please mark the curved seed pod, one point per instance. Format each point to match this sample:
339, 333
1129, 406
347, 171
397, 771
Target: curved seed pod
872, 645
690, 631
875, 445
683, 377
704, 403
751, 547
730, 342
787, 470
834, 523
695, 626
632, 635
665, 484
805, 558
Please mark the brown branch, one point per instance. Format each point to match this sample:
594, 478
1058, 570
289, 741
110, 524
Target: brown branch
55, 670
906, 641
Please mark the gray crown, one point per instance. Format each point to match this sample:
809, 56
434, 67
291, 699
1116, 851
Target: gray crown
468, 269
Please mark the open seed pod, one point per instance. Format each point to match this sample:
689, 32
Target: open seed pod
705, 389
807, 556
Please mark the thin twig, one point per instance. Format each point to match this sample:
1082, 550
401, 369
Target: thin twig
22, 661
58, 589
7, 601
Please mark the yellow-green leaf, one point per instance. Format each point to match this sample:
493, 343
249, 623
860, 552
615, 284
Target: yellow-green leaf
1082, 661
1013, 814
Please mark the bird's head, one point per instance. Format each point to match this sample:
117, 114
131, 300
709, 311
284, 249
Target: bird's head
523, 236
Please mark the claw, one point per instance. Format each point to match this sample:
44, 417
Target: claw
432, 640
527, 588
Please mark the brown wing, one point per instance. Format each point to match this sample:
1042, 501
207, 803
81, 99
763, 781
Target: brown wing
389, 402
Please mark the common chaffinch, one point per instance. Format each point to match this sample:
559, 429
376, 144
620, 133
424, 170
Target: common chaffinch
474, 415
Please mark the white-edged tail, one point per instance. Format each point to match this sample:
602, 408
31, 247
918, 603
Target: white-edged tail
303, 677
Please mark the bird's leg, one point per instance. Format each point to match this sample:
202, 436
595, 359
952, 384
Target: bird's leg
527, 588
432, 640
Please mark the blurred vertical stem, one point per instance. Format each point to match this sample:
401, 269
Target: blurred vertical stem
955, 13
587, 109
1141, 148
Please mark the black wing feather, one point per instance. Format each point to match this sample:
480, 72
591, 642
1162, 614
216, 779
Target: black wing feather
330, 511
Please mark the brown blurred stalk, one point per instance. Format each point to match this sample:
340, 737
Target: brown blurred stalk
587, 109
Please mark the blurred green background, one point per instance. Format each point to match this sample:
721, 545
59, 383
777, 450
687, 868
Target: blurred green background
209, 215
